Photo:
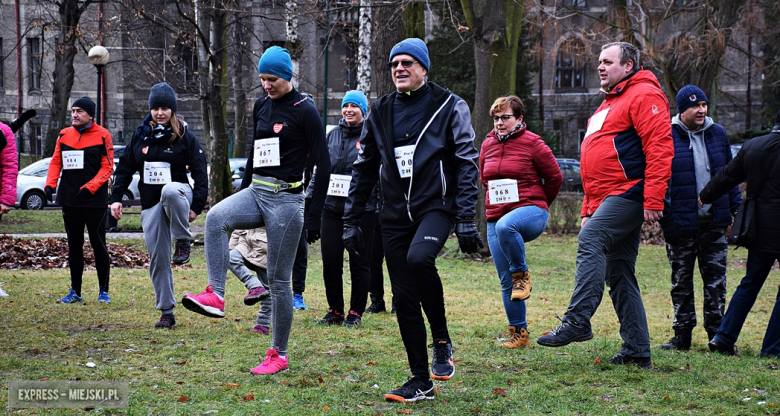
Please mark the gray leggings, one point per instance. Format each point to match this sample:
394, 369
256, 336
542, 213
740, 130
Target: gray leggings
282, 215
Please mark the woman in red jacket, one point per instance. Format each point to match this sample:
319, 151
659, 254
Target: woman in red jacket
522, 178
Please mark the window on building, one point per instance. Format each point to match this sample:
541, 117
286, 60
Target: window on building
570, 70
34, 63
33, 140
575, 4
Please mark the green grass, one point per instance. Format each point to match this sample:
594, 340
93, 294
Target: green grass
50, 221
343, 371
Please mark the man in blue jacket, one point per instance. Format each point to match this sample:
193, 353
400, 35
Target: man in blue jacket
701, 149
418, 142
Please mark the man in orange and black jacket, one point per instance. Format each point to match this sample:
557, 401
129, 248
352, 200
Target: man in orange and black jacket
84, 154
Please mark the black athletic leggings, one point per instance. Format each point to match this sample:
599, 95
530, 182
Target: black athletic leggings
75, 219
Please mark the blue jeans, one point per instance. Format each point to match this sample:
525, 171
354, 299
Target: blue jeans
759, 263
506, 239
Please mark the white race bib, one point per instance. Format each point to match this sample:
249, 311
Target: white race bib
339, 184
596, 122
503, 191
403, 158
267, 152
72, 159
157, 173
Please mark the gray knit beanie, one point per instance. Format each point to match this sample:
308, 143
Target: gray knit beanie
162, 95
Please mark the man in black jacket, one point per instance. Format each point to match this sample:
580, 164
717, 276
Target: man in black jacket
756, 163
418, 142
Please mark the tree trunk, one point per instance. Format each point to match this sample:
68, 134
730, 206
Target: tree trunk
239, 92
386, 35
294, 44
220, 185
364, 49
65, 52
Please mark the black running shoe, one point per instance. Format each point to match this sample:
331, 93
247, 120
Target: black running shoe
641, 362
565, 334
182, 253
332, 318
353, 320
377, 306
442, 368
167, 321
411, 391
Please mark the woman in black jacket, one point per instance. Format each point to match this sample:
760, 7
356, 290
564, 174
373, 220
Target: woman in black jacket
343, 146
162, 149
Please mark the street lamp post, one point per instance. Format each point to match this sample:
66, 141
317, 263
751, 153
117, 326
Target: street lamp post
98, 55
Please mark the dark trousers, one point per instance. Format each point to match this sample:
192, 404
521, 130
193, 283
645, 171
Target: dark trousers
299, 267
333, 262
708, 245
410, 252
759, 264
75, 218
377, 286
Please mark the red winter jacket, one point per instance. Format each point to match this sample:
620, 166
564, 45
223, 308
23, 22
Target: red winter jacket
630, 155
525, 157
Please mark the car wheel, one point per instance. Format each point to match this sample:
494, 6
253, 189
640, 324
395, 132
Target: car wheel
33, 200
127, 196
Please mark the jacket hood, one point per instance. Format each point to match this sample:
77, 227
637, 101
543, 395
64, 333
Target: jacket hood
707, 124
639, 77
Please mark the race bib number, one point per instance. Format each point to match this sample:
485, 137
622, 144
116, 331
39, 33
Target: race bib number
157, 173
339, 184
596, 122
72, 159
267, 152
503, 191
403, 158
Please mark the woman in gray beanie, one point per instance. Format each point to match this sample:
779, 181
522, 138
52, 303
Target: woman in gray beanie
161, 150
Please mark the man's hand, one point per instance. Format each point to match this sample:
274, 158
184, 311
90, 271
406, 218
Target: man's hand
48, 191
4, 209
193, 215
116, 210
352, 238
468, 236
584, 220
652, 215
312, 236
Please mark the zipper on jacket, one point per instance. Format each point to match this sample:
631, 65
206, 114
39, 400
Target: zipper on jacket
443, 183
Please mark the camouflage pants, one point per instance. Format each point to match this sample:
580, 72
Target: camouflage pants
709, 246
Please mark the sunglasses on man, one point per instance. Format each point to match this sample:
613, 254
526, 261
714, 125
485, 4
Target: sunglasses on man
404, 63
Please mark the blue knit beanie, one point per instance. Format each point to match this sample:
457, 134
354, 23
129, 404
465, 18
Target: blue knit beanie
276, 61
688, 96
86, 104
162, 95
358, 98
415, 48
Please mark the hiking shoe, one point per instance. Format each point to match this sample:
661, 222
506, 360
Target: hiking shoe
256, 295
167, 321
71, 297
565, 334
442, 368
182, 254
641, 362
377, 305
103, 297
521, 285
333, 317
262, 330
298, 302
411, 391
272, 364
207, 303
718, 346
519, 338
678, 342
353, 319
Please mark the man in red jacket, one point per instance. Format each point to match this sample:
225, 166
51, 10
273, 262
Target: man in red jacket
625, 166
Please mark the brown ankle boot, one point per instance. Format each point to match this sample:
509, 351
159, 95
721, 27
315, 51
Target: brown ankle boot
521, 285
518, 339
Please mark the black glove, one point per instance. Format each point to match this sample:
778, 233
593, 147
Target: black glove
48, 191
19, 122
352, 238
468, 236
83, 194
312, 236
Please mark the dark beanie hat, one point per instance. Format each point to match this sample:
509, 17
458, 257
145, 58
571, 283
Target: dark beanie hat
86, 104
688, 96
276, 61
162, 95
415, 48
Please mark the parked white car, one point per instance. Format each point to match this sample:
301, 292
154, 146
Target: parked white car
32, 180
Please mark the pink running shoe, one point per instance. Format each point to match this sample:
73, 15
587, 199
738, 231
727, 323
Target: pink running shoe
207, 303
255, 295
262, 330
272, 364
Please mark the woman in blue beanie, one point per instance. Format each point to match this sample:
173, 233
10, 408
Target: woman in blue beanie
162, 149
343, 146
288, 138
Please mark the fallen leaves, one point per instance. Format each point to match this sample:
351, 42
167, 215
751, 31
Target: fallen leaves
597, 361
49, 253
248, 398
499, 391
182, 399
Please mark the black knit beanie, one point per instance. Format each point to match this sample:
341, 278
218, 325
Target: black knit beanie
162, 95
86, 104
